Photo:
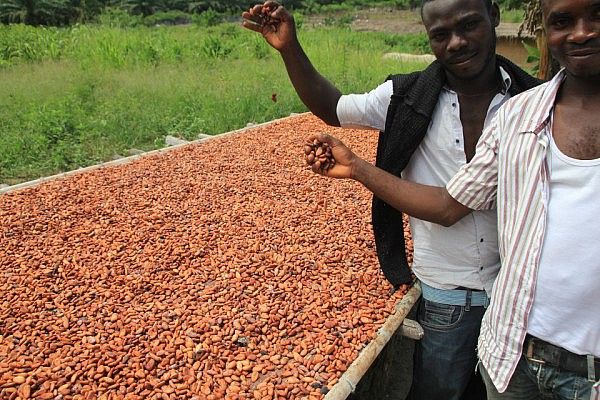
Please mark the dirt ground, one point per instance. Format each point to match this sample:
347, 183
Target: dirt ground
407, 21
397, 21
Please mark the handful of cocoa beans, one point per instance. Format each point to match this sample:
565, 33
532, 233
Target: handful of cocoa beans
319, 154
265, 18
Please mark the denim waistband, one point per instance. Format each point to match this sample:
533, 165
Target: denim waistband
455, 297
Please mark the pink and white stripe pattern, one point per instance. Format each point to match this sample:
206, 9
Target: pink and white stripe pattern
509, 171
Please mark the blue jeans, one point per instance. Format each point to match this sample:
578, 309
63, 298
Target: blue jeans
535, 381
445, 358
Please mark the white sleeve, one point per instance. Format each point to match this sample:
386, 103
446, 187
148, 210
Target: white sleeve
366, 111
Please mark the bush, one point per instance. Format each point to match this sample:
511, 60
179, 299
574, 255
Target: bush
119, 18
208, 18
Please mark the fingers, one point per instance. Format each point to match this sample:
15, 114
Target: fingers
321, 137
256, 10
280, 13
260, 18
253, 26
318, 170
254, 14
326, 138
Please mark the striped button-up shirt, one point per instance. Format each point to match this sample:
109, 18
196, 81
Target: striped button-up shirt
509, 170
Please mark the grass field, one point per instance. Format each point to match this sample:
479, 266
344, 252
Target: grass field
78, 96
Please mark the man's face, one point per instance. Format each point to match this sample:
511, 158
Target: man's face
573, 30
461, 34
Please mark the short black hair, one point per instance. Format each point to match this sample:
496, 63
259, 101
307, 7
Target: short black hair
488, 5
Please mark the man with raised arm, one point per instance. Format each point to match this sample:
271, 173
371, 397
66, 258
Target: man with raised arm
538, 161
430, 122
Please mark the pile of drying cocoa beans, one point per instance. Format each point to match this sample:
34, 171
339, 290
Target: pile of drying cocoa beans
191, 274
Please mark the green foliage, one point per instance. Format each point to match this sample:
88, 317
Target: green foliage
21, 43
533, 57
512, 15
49, 12
299, 20
418, 41
69, 12
119, 18
143, 7
76, 96
214, 47
208, 18
511, 4
172, 17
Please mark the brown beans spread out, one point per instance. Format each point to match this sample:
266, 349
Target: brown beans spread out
319, 154
219, 270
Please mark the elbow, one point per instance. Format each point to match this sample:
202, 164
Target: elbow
329, 118
452, 212
332, 122
449, 219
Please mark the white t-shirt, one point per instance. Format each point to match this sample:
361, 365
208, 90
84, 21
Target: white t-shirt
566, 292
465, 254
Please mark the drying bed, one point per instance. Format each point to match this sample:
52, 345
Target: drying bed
223, 269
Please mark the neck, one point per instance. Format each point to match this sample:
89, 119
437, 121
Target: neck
486, 81
585, 88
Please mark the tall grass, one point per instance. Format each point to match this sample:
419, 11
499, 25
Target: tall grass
77, 96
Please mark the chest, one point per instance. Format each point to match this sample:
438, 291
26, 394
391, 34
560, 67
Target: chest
576, 132
473, 113
457, 124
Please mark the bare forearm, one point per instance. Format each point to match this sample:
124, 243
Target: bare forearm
315, 91
428, 203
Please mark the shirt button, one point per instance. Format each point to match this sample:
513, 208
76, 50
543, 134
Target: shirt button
481, 240
457, 141
481, 268
453, 104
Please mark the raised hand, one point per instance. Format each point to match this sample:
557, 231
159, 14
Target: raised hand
273, 21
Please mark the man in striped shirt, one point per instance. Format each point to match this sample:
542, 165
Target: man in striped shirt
539, 163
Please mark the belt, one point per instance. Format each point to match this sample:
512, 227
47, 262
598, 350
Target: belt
545, 353
455, 297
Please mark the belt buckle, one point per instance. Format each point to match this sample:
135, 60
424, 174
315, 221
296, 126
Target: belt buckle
529, 353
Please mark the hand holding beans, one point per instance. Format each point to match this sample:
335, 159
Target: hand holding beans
328, 156
273, 21
319, 155
261, 15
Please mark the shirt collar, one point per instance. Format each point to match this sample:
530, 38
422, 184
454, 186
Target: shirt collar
506, 82
548, 96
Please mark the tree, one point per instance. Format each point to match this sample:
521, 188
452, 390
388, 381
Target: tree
48, 12
143, 7
548, 66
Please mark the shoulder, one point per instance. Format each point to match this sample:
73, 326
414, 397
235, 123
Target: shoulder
525, 100
402, 82
524, 112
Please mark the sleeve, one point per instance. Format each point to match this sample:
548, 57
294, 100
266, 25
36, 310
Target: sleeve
475, 185
367, 110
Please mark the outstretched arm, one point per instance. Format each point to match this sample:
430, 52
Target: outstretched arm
428, 203
277, 26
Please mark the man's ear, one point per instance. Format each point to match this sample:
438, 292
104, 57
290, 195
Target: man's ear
495, 14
